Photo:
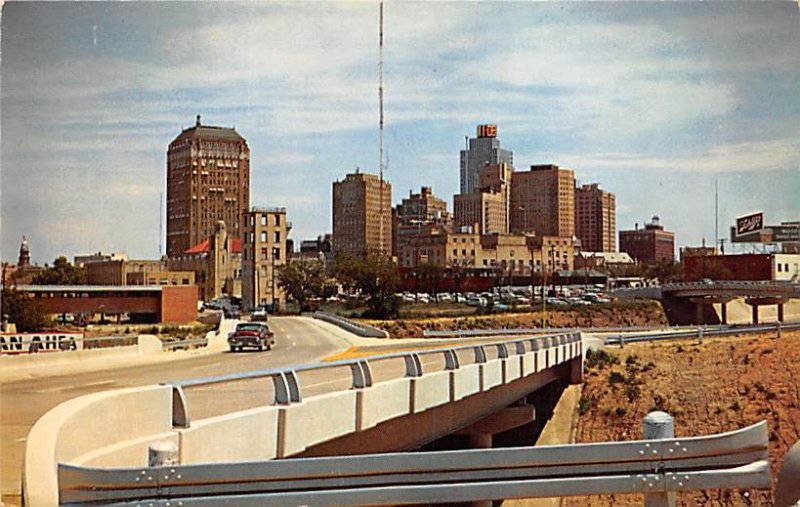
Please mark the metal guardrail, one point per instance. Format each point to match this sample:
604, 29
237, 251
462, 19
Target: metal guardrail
457, 333
702, 332
178, 344
287, 385
356, 328
735, 459
765, 288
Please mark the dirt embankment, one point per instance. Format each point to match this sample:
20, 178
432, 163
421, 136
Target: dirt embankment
645, 313
721, 385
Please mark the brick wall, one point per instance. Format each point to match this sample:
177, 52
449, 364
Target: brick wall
179, 304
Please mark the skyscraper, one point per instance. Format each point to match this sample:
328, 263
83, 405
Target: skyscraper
481, 150
543, 201
208, 180
595, 218
359, 224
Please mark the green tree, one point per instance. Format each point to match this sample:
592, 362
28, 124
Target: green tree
430, 276
305, 281
375, 277
27, 313
61, 273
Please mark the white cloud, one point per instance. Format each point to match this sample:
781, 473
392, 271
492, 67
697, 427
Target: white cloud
757, 156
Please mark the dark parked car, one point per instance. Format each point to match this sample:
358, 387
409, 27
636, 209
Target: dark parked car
251, 334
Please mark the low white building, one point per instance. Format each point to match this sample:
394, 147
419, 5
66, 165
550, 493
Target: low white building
786, 267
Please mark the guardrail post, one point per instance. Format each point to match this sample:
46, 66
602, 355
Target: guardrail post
621, 341
451, 360
658, 426
180, 409
287, 388
162, 454
700, 335
413, 365
362, 376
778, 329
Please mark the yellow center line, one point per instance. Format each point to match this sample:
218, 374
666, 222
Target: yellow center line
356, 352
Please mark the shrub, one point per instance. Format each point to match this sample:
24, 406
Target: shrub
615, 377
632, 392
586, 403
600, 359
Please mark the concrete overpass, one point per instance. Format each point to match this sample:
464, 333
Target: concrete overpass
27, 394
693, 302
388, 402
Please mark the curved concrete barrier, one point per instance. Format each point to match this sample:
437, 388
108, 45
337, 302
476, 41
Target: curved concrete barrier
356, 328
111, 427
787, 493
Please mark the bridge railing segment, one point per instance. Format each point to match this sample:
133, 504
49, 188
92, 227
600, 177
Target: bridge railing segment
116, 428
735, 459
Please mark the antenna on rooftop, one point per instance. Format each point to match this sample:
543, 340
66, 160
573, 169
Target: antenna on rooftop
380, 125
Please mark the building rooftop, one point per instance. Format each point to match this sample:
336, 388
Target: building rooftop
200, 131
89, 288
200, 248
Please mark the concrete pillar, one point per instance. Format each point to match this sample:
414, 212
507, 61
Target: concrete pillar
658, 426
724, 308
755, 314
481, 441
780, 312
699, 307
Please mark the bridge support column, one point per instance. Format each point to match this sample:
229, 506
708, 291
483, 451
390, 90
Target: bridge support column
658, 426
755, 314
700, 311
780, 312
724, 311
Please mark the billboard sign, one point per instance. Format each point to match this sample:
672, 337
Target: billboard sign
749, 223
31, 343
783, 233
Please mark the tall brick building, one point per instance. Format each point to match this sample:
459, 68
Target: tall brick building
362, 219
650, 245
596, 218
487, 205
208, 180
416, 212
543, 201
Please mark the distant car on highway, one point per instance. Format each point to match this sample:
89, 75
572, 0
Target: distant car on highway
259, 315
253, 335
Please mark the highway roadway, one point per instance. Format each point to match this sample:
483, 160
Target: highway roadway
24, 401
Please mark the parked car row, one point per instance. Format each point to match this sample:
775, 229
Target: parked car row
508, 297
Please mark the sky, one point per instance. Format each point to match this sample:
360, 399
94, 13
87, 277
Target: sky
657, 102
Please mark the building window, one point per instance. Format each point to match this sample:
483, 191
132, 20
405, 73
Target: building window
263, 236
277, 220
277, 236
263, 219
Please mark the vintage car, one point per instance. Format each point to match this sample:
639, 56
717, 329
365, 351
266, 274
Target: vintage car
251, 334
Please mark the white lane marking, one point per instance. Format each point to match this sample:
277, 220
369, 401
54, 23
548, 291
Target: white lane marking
64, 388
21, 439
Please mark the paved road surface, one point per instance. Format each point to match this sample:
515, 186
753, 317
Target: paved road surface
23, 402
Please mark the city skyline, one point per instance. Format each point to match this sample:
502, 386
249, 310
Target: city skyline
653, 101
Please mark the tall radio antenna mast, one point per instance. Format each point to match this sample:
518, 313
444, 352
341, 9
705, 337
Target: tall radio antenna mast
380, 125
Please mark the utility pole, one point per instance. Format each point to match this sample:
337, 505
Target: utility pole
716, 212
